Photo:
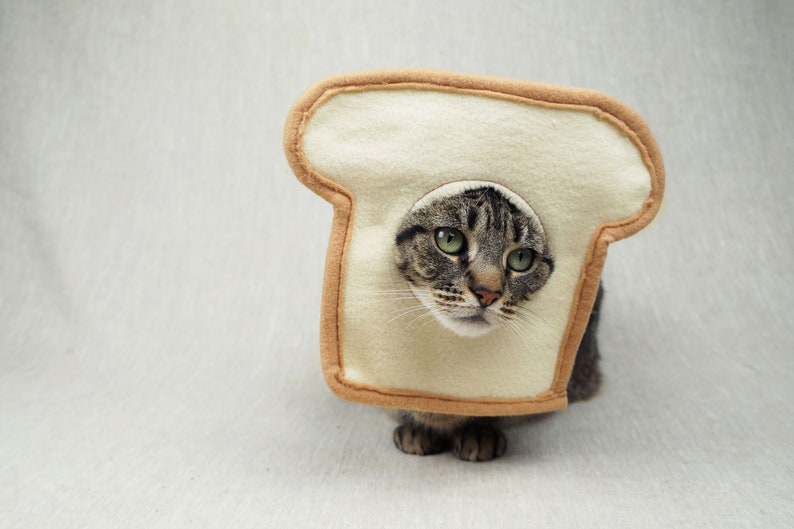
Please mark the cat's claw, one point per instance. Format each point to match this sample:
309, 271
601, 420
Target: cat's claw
478, 443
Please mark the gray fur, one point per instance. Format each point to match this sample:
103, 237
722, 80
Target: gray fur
493, 226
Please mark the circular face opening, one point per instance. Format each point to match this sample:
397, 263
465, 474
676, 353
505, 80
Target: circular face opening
473, 253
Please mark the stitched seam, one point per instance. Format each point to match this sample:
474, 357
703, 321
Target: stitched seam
605, 232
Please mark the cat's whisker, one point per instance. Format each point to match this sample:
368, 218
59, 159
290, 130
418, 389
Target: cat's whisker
531, 317
425, 316
424, 320
374, 301
524, 316
405, 312
388, 290
406, 309
511, 330
530, 312
512, 327
395, 291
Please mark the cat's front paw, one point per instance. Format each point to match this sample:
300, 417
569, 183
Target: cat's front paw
419, 441
478, 443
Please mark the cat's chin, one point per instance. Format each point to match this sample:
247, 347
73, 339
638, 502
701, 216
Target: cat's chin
468, 326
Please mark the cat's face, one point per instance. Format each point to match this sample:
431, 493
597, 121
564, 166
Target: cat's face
473, 257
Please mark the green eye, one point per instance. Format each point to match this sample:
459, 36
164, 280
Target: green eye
450, 240
520, 260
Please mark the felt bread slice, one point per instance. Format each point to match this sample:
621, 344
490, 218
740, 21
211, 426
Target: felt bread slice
375, 144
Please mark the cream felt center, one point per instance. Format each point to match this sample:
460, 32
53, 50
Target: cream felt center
392, 146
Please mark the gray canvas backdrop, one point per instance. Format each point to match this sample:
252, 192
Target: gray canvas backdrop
161, 268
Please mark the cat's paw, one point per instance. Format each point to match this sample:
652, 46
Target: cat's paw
478, 443
419, 441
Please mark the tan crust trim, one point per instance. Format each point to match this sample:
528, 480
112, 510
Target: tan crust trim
414, 400
600, 105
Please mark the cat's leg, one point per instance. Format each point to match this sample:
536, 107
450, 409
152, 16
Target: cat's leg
586, 374
479, 440
470, 438
422, 437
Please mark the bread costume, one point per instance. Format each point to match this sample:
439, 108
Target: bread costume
374, 144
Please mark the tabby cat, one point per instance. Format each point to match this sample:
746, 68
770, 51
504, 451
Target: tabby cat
472, 258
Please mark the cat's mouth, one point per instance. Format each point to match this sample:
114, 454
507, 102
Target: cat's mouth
475, 319
471, 325
463, 321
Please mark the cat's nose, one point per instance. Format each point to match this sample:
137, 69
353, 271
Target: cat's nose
486, 296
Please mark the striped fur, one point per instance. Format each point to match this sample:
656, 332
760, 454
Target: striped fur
447, 285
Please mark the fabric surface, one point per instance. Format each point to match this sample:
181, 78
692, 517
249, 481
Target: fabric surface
160, 287
389, 149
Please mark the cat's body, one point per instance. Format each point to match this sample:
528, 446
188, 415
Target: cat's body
473, 258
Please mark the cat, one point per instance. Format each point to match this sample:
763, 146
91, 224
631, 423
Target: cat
472, 258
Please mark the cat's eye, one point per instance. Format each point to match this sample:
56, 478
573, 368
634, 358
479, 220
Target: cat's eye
520, 260
450, 240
